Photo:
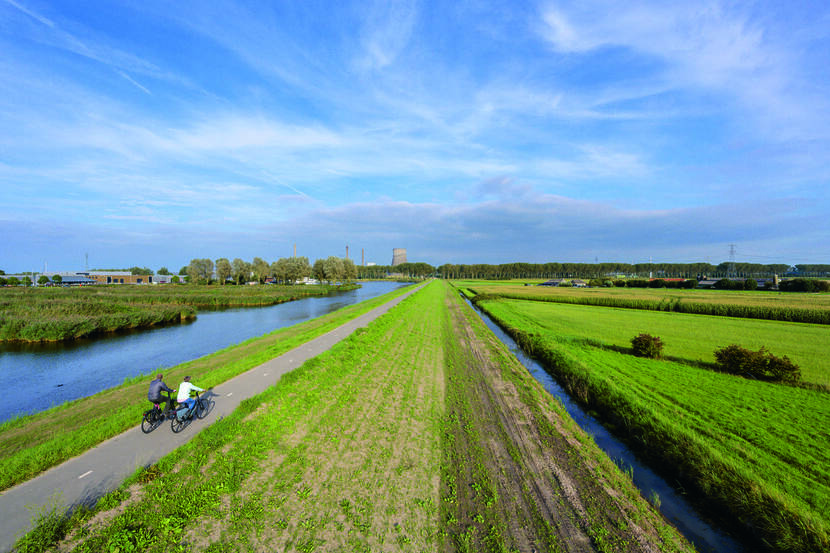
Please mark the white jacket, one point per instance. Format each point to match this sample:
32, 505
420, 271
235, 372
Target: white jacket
184, 391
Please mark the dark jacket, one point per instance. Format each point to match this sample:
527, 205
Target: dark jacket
156, 388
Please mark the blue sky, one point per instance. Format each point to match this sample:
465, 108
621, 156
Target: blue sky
150, 133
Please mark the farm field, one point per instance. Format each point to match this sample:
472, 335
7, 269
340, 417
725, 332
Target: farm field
756, 298
758, 451
34, 443
421, 433
686, 338
52, 314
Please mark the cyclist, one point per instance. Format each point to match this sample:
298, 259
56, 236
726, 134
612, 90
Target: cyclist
184, 392
157, 386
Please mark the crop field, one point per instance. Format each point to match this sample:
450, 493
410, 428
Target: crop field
754, 451
52, 314
419, 433
784, 306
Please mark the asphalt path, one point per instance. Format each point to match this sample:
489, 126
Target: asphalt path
86, 478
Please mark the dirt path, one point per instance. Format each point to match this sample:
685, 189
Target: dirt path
555, 490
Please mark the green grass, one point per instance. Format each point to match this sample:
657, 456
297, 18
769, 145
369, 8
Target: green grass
759, 451
31, 444
54, 314
794, 307
686, 338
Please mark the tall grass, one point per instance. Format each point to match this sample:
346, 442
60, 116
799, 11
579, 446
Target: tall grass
54, 314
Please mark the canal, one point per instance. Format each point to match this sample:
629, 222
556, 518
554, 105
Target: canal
37, 376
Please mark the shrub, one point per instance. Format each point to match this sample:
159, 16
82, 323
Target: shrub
750, 284
619, 283
761, 364
646, 345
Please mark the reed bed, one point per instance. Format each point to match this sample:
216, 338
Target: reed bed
56, 314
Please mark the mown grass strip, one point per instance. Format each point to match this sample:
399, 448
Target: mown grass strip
31, 444
755, 450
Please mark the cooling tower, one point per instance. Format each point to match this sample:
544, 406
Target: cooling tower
398, 256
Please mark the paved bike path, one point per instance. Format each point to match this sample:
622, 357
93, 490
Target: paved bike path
84, 479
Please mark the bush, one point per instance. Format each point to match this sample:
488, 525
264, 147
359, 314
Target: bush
761, 364
804, 285
646, 345
750, 284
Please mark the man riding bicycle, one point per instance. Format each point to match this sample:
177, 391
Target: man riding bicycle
157, 386
184, 392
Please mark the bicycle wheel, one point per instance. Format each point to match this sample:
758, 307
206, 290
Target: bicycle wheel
150, 421
177, 425
201, 408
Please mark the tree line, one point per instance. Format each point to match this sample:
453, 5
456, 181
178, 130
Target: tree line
286, 270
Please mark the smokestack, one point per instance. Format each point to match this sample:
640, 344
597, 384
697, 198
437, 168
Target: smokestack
295, 250
347, 251
362, 258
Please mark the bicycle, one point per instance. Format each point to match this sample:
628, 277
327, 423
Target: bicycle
184, 415
152, 418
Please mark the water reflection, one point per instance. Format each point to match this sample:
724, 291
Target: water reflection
37, 376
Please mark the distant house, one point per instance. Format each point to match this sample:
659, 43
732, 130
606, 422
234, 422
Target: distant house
118, 277
552, 282
579, 283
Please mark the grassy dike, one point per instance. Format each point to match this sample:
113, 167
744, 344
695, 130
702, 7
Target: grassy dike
754, 453
419, 433
32, 444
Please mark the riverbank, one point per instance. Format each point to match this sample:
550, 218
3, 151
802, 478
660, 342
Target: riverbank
420, 432
34, 443
59, 314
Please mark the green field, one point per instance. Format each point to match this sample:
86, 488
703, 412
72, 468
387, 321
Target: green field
53, 314
794, 307
686, 338
420, 432
757, 450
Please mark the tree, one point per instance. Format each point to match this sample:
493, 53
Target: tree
140, 271
175, 279
349, 270
163, 271
223, 270
183, 271
14, 281
57, 279
26, 281
241, 271
43, 280
200, 271
260, 269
